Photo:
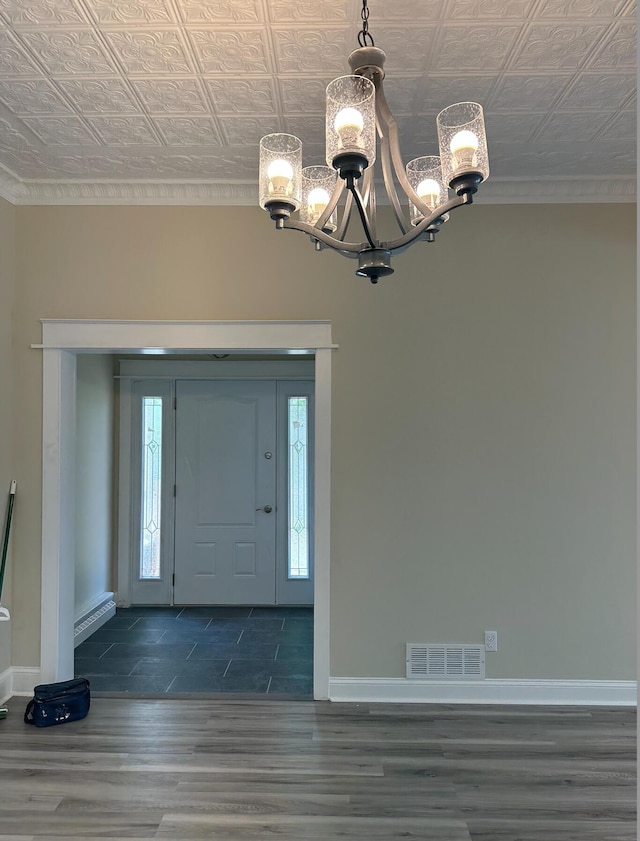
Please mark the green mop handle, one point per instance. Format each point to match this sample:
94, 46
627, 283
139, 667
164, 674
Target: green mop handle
7, 529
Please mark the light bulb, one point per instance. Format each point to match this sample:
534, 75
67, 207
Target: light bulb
348, 125
463, 147
280, 175
317, 200
429, 191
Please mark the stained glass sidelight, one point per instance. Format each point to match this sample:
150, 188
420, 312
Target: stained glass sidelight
298, 468
151, 487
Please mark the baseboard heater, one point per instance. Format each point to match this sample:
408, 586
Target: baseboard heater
90, 620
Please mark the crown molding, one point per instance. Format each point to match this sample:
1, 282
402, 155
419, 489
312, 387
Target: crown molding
600, 190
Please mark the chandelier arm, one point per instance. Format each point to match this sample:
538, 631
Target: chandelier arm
389, 186
357, 198
331, 206
384, 114
369, 200
407, 239
341, 230
349, 249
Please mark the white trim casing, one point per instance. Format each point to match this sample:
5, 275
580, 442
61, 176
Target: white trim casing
62, 340
58, 514
553, 692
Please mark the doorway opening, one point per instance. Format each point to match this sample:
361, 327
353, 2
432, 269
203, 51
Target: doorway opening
62, 342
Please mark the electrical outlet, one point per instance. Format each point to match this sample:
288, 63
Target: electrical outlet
491, 640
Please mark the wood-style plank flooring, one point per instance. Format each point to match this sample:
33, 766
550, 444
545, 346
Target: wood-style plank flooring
315, 771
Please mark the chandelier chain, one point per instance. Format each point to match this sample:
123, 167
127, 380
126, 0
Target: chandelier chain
364, 37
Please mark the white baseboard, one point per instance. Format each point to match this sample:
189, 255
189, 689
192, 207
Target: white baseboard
93, 616
403, 691
5, 685
18, 680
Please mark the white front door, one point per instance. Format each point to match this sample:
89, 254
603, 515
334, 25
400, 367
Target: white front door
225, 497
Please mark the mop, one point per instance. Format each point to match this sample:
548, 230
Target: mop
4, 613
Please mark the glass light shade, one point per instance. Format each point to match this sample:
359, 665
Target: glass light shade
280, 177
425, 176
463, 141
351, 118
318, 184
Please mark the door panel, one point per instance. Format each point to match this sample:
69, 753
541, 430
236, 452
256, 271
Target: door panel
224, 540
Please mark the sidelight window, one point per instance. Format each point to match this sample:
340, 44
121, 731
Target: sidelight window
298, 470
151, 488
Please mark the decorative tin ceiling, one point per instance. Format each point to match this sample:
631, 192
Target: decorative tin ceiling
166, 100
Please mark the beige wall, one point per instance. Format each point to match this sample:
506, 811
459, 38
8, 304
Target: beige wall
483, 414
7, 464
94, 480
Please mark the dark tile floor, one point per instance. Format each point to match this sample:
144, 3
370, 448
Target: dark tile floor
173, 650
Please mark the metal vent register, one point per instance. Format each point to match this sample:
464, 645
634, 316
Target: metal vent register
454, 662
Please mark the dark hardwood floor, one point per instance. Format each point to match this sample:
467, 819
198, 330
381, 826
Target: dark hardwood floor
311, 771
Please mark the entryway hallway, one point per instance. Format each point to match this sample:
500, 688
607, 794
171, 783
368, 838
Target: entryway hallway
174, 650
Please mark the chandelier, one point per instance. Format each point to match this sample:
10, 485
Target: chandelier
357, 109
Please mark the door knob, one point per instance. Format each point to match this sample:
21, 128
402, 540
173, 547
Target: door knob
267, 509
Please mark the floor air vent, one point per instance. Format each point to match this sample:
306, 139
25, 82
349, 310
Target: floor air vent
450, 662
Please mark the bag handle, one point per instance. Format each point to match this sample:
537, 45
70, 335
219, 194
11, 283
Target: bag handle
28, 718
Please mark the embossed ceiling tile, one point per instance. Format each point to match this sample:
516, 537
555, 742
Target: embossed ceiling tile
62, 131
13, 136
557, 46
572, 127
482, 9
418, 130
13, 60
166, 163
32, 96
580, 9
22, 164
408, 50
68, 53
582, 159
303, 95
517, 128
219, 11
622, 127
131, 12
165, 96
619, 49
42, 12
525, 92
424, 11
310, 11
599, 91
477, 47
230, 51
313, 52
402, 92
188, 131
247, 131
160, 51
124, 131
99, 96
242, 96
442, 90
311, 130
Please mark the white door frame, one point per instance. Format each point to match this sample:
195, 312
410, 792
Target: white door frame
62, 341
